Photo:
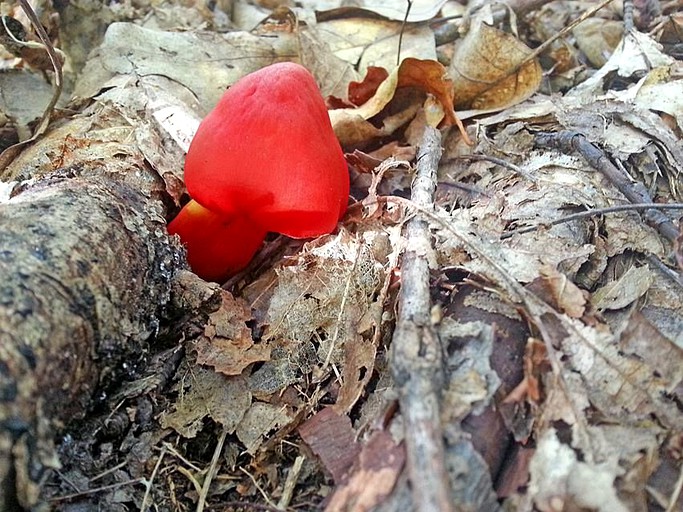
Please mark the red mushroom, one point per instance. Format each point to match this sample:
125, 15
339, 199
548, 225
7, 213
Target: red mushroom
216, 247
266, 155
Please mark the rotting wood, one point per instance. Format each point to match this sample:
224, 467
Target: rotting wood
416, 352
84, 279
88, 275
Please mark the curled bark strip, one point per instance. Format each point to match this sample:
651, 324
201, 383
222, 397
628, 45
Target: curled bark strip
85, 274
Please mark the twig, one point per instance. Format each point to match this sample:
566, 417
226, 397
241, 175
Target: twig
416, 352
290, 483
342, 309
568, 141
269, 502
11, 152
148, 485
117, 485
592, 213
546, 44
403, 28
628, 16
201, 502
498, 161
54, 60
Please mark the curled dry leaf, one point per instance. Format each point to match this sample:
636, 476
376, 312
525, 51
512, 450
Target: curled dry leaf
556, 289
489, 70
352, 125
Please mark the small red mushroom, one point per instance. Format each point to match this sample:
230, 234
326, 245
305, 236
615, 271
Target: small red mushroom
266, 155
216, 248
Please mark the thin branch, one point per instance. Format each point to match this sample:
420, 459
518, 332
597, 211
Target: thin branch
403, 28
592, 213
201, 502
416, 351
54, 60
635, 192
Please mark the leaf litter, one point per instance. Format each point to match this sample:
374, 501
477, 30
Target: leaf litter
292, 367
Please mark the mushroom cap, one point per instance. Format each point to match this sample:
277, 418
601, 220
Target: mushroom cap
268, 151
217, 247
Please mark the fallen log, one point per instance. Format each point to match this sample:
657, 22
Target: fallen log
86, 273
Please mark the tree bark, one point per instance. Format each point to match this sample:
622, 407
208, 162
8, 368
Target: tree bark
86, 269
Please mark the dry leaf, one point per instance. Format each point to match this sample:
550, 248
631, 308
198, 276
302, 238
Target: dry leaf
558, 477
416, 10
365, 41
223, 399
374, 475
351, 124
331, 438
259, 421
227, 344
487, 70
556, 289
621, 292
597, 38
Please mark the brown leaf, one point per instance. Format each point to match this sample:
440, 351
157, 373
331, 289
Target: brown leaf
487, 70
536, 366
223, 399
332, 438
227, 344
351, 124
374, 476
557, 290
258, 421
359, 363
619, 293
429, 76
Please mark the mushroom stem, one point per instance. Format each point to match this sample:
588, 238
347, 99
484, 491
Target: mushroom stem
217, 246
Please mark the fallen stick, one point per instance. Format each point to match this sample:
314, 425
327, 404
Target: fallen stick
416, 352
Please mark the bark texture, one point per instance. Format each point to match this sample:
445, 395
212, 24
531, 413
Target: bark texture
86, 269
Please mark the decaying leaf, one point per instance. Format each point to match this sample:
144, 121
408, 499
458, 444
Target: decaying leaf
623, 291
636, 53
557, 290
558, 477
259, 420
471, 383
597, 38
227, 343
205, 393
374, 475
331, 438
489, 70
